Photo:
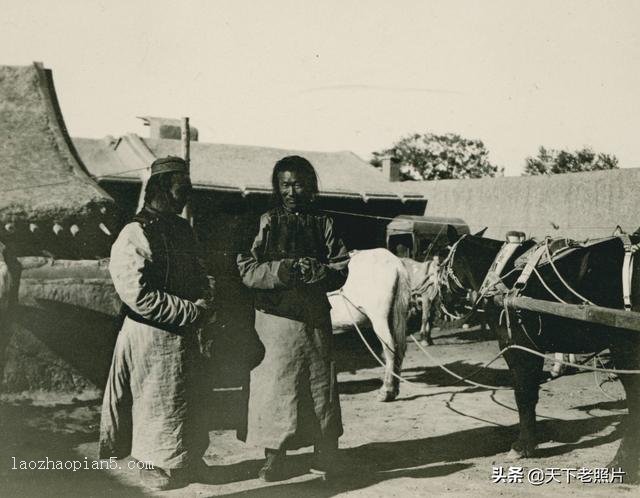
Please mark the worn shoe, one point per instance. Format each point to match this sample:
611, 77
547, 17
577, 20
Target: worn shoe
326, 473
326, 461
197, 471
156, 479
273, 468
200, 472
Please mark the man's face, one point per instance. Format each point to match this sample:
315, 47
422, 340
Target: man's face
294, 190
179, 192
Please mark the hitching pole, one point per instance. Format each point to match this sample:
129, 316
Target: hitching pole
186, 155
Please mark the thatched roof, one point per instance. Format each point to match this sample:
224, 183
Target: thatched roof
42, 176
240, 168
45, 187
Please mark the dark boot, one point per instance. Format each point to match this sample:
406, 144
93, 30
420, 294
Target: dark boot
156, 479
326, 462
196, 471
273, 468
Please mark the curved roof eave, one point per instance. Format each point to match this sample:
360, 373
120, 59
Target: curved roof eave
43, 175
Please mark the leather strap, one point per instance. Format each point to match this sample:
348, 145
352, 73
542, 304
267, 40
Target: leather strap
532, 261
492, 278
627, 269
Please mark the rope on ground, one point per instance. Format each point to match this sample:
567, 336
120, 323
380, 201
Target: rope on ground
463, 379
571, 364
399, 377
467, 379
562, 362
364, 340
598, 383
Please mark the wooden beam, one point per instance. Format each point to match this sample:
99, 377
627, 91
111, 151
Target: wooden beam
186, 140
629, 320
186, 155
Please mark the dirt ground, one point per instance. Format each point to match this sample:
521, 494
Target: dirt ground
438, 439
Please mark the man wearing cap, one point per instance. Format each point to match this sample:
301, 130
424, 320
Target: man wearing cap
150, 407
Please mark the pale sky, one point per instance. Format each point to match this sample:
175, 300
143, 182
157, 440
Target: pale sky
344, 75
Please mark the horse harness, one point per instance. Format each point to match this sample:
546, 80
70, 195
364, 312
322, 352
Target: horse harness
448, 275
627, 269
493, 278
448, 279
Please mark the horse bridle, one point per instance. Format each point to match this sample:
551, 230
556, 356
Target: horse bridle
448, 276
448, 279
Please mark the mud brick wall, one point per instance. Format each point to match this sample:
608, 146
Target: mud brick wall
580, 205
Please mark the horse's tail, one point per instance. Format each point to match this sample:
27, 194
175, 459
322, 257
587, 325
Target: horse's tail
399, 309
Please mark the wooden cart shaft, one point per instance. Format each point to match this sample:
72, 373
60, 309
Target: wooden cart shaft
629, 320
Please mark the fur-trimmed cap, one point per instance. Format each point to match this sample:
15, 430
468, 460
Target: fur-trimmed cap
169, 164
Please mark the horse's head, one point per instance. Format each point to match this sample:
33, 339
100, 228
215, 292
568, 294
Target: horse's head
469, 259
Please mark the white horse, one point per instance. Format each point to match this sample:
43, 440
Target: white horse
376, 294
425, 290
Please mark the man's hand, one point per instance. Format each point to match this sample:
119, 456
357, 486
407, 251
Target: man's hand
204, 303
207, 310
212, 286
207, 316
304, 265
311, 270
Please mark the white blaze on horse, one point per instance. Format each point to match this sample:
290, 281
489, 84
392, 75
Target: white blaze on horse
376, 294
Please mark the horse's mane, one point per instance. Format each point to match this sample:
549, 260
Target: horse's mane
480, 248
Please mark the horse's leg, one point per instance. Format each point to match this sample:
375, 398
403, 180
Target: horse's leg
627, 357
525, 369
390, 384
427, 321
484, 323
558, 367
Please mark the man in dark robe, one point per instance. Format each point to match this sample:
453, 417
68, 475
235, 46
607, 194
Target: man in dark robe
293, 262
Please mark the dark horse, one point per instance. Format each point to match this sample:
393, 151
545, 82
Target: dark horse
594, 271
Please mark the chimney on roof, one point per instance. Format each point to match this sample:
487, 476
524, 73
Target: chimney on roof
167, 128
390, 169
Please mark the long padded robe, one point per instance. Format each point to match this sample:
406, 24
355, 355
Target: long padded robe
150, 406
293, 399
